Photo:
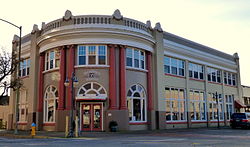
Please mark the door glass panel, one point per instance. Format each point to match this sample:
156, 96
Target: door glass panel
97, 116
86, 116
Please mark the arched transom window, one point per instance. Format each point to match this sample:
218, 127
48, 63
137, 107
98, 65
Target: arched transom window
50, 103
92, 90
136, 101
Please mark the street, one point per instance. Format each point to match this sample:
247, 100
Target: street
171, 138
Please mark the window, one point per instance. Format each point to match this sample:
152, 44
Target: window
92, 55
135, 58
213, 75
197, 105
24, 69
230, 79
174, 66
229, 106
214, 107
136, 102
52, 59
92, 90
23, 106
196, 71
50, 103
175, 104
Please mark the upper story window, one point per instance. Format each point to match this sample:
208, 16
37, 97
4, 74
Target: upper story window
174, 66
52, 59
196, 71
24, 69
229, 78
135, 58
213, 75
92, 55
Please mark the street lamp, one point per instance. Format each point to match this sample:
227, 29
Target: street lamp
19, 60
74, 82
217, 101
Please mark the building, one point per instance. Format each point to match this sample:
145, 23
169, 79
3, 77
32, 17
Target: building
246, 97
129, 72
4, 111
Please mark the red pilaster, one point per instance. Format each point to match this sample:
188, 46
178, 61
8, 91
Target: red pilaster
149, 81
112, 79
62, 71
40, 82
69, 74
123, 98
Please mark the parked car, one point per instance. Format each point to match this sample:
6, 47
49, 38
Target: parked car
241, 120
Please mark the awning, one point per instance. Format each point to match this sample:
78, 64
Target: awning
238, 104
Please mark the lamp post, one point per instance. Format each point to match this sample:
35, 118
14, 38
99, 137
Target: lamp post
217, 101
74, 82
17, 78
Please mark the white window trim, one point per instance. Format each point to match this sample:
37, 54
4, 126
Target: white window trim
170, 66
96, 56
200, 102
210, 70
26, 67
47, 59
199, 78
47, 99
133, 59
141, 101
219, 108
231, 74
179, 100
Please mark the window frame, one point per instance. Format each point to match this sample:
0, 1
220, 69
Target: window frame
199, 101
213, 74
191, 70
172, 100
24, 69
178, 67
141, 58
212, 100
230, 79
46, 100
54, 60
87, 55
143, 103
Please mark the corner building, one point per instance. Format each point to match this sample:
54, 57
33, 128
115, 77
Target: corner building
141, 77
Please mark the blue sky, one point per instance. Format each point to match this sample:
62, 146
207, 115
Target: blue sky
220, 24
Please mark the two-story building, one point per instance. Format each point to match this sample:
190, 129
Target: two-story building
127, 71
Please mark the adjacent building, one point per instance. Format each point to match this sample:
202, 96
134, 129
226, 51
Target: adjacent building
246, 97
127, 71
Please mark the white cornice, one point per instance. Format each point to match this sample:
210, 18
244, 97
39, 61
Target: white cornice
194, 52
96, 40
96, 28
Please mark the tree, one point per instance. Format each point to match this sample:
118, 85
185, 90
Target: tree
8, 65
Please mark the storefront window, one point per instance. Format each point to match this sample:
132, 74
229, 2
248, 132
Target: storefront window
136, 104
23, 106
197, 105
175, 104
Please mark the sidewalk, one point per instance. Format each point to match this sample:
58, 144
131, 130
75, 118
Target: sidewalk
92, 135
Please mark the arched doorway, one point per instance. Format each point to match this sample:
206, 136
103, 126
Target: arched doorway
91, 96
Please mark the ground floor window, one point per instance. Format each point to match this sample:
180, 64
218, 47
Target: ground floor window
197, 105
50, 103
175, 104
136, 102
23, 106
215, 107
229, 106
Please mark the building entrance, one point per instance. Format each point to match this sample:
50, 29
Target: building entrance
91, 117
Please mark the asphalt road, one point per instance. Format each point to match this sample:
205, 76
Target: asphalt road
178, 138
